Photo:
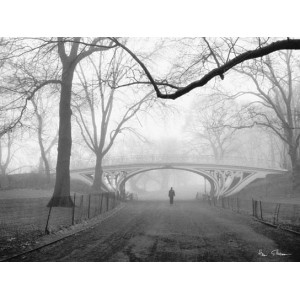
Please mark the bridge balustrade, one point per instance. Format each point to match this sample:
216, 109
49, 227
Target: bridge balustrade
196, 159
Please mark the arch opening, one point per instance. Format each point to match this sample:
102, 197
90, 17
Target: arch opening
154, 183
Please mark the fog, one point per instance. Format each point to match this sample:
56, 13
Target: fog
225, 118
155, 185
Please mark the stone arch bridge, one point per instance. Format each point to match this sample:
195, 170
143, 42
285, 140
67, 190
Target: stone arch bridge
226, 177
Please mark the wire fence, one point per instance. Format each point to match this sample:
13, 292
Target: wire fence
84, 207
284, 215
23, 220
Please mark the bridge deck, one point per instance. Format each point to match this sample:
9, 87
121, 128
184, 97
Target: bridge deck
182, 165
201, 161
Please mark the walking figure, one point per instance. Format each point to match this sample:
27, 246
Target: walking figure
171, 195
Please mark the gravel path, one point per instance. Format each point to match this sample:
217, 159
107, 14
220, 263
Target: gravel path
186, 231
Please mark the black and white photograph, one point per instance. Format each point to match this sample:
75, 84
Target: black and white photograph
148, 147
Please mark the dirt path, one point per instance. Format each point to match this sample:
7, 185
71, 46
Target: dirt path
187, 231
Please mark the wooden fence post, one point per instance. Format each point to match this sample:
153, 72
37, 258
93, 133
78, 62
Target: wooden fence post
107, 201
46, 228
261, 215
274, 216
278, 213
89, 208
99, 206
73, 211
101, 203
81, 207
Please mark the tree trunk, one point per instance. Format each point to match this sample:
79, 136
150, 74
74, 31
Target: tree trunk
284, 157
98, 183
41, 166
295, 169
272, 152
61, 194
44, 164
47, 170
3, 178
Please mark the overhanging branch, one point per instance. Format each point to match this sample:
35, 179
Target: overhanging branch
219, 71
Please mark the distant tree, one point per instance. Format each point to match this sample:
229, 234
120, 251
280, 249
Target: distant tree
274, 81
6, 142
46, 142
138, 183
22, 76
207, 126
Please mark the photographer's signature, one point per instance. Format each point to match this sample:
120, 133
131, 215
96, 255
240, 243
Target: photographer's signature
275, 252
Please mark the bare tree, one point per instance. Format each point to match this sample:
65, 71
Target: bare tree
65, 53
23, 73
70, 54
21, 76
207, 127
277, 107
99, 105
6, 142
73, 50
46, 143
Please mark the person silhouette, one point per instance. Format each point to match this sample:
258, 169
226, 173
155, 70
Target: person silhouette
171, 195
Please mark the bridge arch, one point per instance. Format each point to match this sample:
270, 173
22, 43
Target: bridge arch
213, 182
225, 177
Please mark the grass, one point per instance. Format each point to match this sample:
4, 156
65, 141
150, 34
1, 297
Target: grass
273, 188
24, 213
271, 191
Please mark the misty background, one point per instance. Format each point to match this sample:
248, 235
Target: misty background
226, 119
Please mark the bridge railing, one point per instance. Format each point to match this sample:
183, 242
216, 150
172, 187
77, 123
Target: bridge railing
198, 159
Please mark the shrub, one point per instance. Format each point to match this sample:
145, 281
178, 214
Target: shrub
39, 182
28, 180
